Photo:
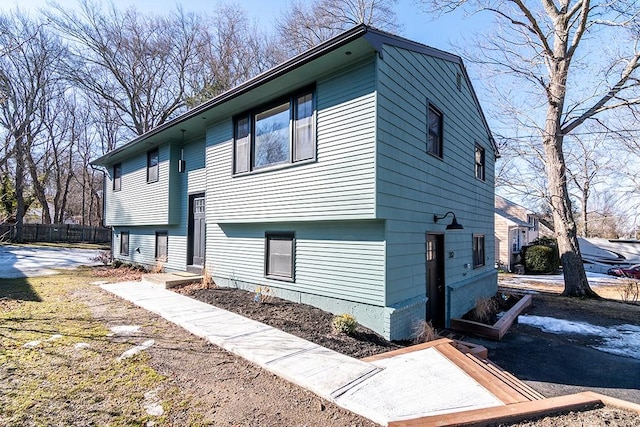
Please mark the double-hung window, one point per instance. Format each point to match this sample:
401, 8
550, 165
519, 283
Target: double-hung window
279, 256
162, 245
153, 165
434, 131
479, 163
124, 243
117, 177
478, 250
281, 133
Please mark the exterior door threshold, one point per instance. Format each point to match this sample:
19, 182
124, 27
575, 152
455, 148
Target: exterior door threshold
195, 269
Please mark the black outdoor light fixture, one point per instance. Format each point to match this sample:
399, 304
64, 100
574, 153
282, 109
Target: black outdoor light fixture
455, 225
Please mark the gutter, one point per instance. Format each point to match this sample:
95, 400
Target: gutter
260, 79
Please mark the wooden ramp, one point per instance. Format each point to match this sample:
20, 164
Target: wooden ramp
501, 383
520, 400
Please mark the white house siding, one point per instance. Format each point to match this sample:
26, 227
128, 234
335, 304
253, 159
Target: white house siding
338, 186
503, 240
139, 202
412, 185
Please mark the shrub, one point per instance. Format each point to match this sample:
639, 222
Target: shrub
485, 310
207, 280
541, 258
158, 268
103, 256
344, 324
263, 295
630, 292
424, 331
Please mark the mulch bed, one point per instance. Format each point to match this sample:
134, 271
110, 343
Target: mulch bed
301, 320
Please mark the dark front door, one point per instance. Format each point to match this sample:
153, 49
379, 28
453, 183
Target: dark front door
435, 280
197, 230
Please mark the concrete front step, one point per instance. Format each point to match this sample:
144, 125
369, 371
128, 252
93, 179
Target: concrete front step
170, 280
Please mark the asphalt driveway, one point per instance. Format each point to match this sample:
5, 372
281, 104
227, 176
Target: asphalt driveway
29, 261
572, 361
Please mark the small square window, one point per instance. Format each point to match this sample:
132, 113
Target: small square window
162, 245
478, 250
153, 165
279, 256
117, 177
124, 243
434, 131
479, 163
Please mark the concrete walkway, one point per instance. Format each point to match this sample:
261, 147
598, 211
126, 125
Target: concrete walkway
402, 387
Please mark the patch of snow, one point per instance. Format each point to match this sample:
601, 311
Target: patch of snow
99, 282
81, 345
622, 340
54, 337
152, 403
125, 329
135, 350
31, 344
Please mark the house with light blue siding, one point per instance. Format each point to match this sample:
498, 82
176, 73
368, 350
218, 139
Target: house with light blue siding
326, 179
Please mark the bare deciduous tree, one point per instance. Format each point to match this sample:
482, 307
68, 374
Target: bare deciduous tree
28, 74
137, 64
536, 45
231, 50
306, 25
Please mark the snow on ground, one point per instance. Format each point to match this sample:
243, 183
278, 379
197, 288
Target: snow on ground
135, 350
125, 329
595, 279
622, 340
30, 261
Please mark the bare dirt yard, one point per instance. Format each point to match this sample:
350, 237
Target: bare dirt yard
62, 361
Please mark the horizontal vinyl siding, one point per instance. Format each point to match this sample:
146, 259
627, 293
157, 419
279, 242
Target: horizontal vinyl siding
340, 260
412, 185
139, 202
195, 159
142, 247
339, 185
503, 242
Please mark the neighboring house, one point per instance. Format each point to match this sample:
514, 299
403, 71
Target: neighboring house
320, 179
515, 227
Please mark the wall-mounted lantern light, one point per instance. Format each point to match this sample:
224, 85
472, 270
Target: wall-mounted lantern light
455, 225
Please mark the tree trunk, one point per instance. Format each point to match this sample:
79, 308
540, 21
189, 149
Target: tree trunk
575, 278
585, 216
20, 206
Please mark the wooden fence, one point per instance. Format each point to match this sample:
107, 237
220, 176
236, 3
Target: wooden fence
69, 233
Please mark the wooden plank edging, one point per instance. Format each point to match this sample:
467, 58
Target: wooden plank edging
410, 349
507, 413
498, 329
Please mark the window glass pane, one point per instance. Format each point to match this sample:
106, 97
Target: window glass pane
280, 256
161, 246
242, 146
272, 136
304, 137
117, 177
152, 166
124, 243
478, 251
480, 163
434, 137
